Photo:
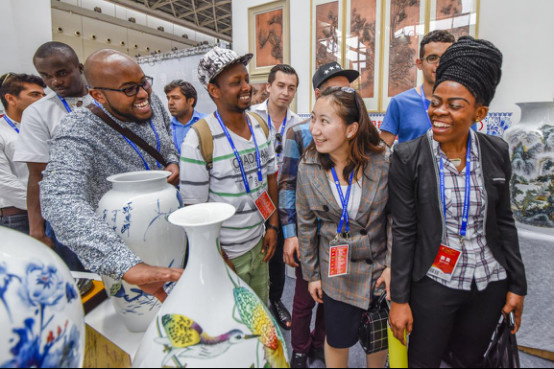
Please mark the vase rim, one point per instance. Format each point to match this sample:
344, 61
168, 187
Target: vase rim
202, 215
139, 177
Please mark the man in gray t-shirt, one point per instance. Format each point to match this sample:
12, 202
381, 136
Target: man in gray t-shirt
86, 151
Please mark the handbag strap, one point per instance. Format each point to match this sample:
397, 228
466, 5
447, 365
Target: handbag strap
128, 133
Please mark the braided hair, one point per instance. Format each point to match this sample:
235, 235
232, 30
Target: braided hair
476, 64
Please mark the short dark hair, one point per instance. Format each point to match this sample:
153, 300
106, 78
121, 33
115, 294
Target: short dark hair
285, 68
50, 48
11, 83
186, 88
436, 36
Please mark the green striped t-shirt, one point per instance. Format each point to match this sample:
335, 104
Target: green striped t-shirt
224, 182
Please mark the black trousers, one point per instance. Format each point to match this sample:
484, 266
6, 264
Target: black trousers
277, 271
447, 320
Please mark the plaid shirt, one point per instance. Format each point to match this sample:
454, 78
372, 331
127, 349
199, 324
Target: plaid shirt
477, 262
298, 139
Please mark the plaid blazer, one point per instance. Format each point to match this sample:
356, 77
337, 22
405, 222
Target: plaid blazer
371, 231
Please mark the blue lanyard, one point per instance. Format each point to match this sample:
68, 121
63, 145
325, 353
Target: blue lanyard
465, 217
426, 105
67, 107
345, 217
283, 126
138, 151
237, 155
12, 124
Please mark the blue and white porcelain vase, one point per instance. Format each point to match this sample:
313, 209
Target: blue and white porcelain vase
137, 209
532, 153
41, 313
212, 319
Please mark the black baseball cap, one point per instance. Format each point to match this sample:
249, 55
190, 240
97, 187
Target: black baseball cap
332, 70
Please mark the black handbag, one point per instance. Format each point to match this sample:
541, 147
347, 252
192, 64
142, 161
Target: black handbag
372, 333
503, 351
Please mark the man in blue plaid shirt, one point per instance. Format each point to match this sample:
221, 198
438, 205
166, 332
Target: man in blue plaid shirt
298, 138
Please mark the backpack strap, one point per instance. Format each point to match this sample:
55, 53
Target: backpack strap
206, 142
261, 121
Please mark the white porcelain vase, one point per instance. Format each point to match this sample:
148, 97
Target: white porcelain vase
532, 153
212, 318
41, 314
137, 209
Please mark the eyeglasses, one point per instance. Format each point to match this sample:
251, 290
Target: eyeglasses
349, 90
4, 78
132, 90
433, 59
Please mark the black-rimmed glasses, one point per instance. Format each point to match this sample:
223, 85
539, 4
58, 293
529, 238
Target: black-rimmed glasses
279, 148
132, 90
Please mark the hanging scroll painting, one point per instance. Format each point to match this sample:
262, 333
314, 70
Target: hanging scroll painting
363, 47
269, 36
456, 16
328, 34
405, 26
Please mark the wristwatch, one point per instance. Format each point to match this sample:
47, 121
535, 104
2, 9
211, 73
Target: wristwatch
276, 229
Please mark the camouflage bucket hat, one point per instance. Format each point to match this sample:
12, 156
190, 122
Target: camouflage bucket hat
216, 60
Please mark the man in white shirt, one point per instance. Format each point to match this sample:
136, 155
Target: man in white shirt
242, 170
282, 85
59, 67
17, 92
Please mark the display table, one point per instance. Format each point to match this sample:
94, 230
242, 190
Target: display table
105, 320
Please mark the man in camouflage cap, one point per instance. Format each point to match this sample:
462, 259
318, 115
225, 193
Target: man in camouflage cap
242, 170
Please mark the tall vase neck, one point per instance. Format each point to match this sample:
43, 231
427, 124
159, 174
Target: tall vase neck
537, 112
205, 260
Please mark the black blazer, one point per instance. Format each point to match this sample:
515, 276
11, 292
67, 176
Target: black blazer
417, 215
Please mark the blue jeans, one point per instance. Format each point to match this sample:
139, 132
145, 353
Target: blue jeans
68, 256
19, 222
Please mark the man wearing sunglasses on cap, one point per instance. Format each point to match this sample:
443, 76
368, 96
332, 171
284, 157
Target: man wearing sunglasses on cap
87, 150
282, 85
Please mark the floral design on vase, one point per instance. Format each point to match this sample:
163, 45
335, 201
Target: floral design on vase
532, 154
36, 341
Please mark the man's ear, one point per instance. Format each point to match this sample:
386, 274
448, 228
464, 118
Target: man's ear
81, 68
419, 64
98, 96
213, 90
11, 99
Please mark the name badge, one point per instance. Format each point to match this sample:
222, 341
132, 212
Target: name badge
339, 260
265, 206
445, 263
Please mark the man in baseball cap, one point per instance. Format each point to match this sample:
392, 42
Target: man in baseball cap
240, 168
304, 343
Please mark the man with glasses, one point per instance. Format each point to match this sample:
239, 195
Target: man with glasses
407, 116
17, 92
87, 150
59, 67
282, 85
304, 343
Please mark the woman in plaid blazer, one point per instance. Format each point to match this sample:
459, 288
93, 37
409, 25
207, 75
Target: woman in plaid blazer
346, 167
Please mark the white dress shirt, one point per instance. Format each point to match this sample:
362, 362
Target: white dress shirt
39, 124
13, 175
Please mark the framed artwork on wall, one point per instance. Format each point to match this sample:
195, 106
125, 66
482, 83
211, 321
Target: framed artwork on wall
269, 32
381, 39
460, 17
363, 48
404, 28
259, 90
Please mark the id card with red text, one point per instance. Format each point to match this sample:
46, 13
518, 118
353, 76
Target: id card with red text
445, 263
265, 206
339, 260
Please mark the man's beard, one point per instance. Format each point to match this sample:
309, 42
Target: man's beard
130, 117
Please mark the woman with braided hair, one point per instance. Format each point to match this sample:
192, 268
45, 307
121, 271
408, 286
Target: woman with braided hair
456, 262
